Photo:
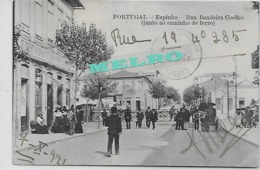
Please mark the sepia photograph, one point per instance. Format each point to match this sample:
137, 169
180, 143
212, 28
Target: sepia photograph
135, 83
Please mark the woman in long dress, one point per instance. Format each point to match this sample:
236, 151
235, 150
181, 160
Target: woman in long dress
72, 121
79, 117
58, 122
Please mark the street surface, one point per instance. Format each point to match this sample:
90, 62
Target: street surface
163, 146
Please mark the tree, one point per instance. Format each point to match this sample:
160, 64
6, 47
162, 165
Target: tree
157, 89
98, 84
193, 94
171, 94
82, 47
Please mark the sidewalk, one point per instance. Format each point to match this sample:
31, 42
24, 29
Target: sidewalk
88, 128
249, 134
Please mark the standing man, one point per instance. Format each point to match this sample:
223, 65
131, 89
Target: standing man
104, 116
113, 122
196, 118
140, 116
128, 118
181, 118
171, 113
148, 114
154, 117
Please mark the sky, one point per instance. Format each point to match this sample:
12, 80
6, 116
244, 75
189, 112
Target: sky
101, 13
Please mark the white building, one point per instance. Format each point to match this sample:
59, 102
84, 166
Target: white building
46, 80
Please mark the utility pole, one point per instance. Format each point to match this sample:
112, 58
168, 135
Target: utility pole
227, 100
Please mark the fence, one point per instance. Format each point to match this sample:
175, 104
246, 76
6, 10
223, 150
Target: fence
163, 116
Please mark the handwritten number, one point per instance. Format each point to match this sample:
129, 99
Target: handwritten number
195, 39
165, 37
53, 154
225, 37
64, 162
214, 35
58, 156
234, 36
173, 36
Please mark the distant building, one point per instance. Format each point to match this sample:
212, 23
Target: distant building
225, 96
46, 80
132, 90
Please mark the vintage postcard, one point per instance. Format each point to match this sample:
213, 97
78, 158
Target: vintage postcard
136, 83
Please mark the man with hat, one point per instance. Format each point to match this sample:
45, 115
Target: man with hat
113, 122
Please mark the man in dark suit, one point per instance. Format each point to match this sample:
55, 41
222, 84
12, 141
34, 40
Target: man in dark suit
154, 117
139, 117
148, 114
104, 116
113, 122
128, 118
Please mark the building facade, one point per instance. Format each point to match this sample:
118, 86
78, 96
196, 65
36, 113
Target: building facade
222, 91
45, 79
133, 90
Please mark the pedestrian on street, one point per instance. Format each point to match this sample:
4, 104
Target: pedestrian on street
154, 117
148, 114
176, 119
238, 119
186, 116
65, 121
72, 121
79, 117
171, 113
195, 118
248, 115
128, 118
104, 116
140, 116
181, 119
113, 122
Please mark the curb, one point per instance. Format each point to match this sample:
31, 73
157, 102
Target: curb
240, 138
59, 140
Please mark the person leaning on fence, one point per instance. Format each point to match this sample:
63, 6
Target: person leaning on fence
154, 117
139, 116
104, 116
113, 122
148, 114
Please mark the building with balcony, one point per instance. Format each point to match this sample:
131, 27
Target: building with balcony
45, 80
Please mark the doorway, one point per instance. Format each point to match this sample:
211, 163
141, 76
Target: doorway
24, 105
49, 105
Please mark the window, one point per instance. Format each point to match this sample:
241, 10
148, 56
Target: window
25, 12
128, 84
38, 18
51, 21
138, 84
241, 102
60, 17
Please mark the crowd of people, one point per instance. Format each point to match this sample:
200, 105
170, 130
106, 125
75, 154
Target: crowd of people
64, 121
150, 115
246, 118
